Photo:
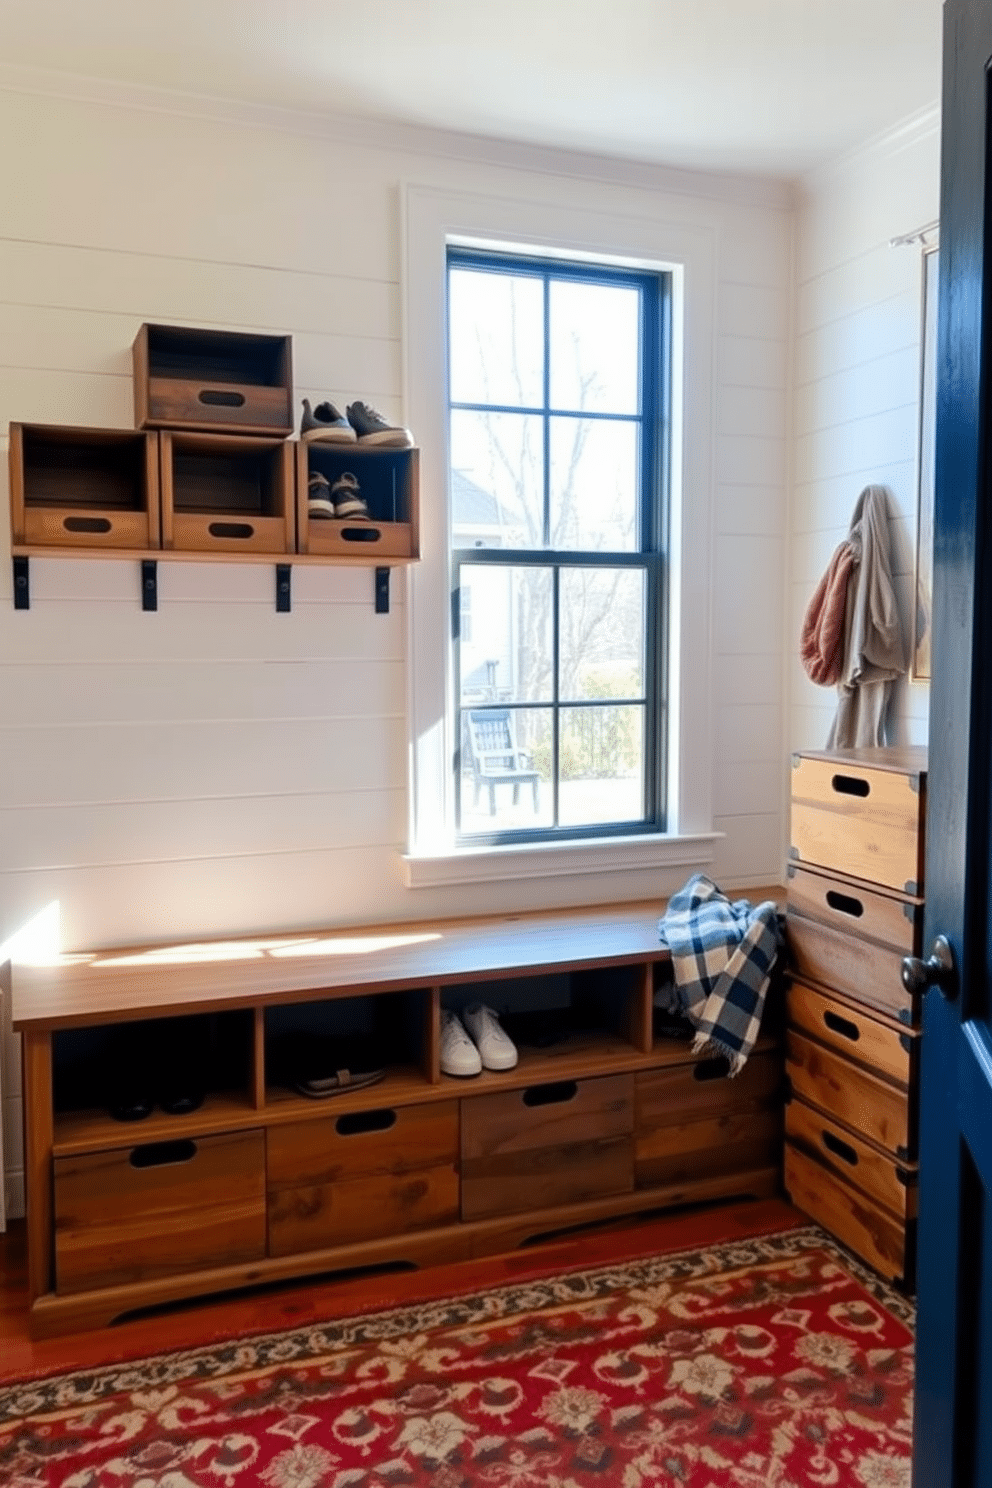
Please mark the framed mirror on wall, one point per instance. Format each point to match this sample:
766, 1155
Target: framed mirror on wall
923, 587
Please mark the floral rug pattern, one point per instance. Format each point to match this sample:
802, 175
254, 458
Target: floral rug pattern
774, 1361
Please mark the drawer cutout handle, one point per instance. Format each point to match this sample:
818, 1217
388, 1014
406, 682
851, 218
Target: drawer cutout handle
218, 398
850, 785
231, 529
162, 1154
553, 1094
845, 904
843, 1026
711, 1069
355, 1122
361, 534
840, 1149
87, 524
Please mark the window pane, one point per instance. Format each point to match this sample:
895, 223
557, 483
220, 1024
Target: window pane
602, 647
601, 763
496, 338
594, 347
505, 781
507, 655
497, 480
594, 485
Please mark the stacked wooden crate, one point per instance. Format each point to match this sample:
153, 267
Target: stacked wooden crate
854, 910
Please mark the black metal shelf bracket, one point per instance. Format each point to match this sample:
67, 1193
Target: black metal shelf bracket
149, 584
284, 572
22, 585
382, 591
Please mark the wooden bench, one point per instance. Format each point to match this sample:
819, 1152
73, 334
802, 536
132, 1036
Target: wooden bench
260, 1184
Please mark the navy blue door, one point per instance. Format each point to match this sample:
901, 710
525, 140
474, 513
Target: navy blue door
954, 1349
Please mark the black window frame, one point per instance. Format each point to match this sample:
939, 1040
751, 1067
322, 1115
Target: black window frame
651, 557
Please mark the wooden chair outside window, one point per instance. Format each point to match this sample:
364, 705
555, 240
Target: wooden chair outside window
496, 760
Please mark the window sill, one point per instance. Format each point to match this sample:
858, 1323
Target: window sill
557, 860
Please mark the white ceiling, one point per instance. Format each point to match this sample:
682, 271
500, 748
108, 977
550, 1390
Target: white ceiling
769, 86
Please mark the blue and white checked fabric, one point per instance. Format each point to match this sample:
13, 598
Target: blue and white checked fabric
722, 960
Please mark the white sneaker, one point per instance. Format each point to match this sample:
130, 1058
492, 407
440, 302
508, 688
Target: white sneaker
459, 1056
497, 1050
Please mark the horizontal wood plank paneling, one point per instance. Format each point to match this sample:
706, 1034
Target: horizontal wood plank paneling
880, 385
878, 329
190, 760
154, 286
34, 838
56, 631
71, 343
749, 362
183, 691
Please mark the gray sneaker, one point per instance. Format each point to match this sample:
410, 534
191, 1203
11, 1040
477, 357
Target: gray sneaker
325, 424
371, 428
319, 502
348, 500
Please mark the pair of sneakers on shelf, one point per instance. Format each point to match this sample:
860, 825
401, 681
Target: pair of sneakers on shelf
360, 422
341, 500
487, 1048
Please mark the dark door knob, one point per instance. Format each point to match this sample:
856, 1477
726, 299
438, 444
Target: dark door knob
936, 971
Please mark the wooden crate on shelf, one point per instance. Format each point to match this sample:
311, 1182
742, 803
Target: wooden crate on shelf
83, 488
227, 493
216, 381
389, 482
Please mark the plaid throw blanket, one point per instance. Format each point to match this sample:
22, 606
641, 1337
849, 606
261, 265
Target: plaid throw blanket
722, 959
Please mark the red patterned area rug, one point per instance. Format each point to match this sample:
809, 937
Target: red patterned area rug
773, 1361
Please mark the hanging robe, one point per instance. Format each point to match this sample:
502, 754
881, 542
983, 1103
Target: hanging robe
874, 648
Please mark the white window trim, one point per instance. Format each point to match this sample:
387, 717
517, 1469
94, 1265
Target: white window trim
432, 219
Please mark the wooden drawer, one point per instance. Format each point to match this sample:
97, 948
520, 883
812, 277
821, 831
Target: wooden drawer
888, 1183
867, 1229
860, 969
861, 812
857, 1099
851, 908
361, 1175
159, 1209
693, 1122
546, 1145
883, 1047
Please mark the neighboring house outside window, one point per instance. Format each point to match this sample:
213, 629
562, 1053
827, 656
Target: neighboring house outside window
558, 496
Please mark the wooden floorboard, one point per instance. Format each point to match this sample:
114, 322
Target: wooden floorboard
190, 1326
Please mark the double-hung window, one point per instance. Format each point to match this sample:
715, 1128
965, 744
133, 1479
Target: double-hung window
559, 432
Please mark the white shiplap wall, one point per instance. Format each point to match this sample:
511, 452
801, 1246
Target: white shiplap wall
857, 383
215, 767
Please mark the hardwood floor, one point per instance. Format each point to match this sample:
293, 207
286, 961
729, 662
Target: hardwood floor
189, 1326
